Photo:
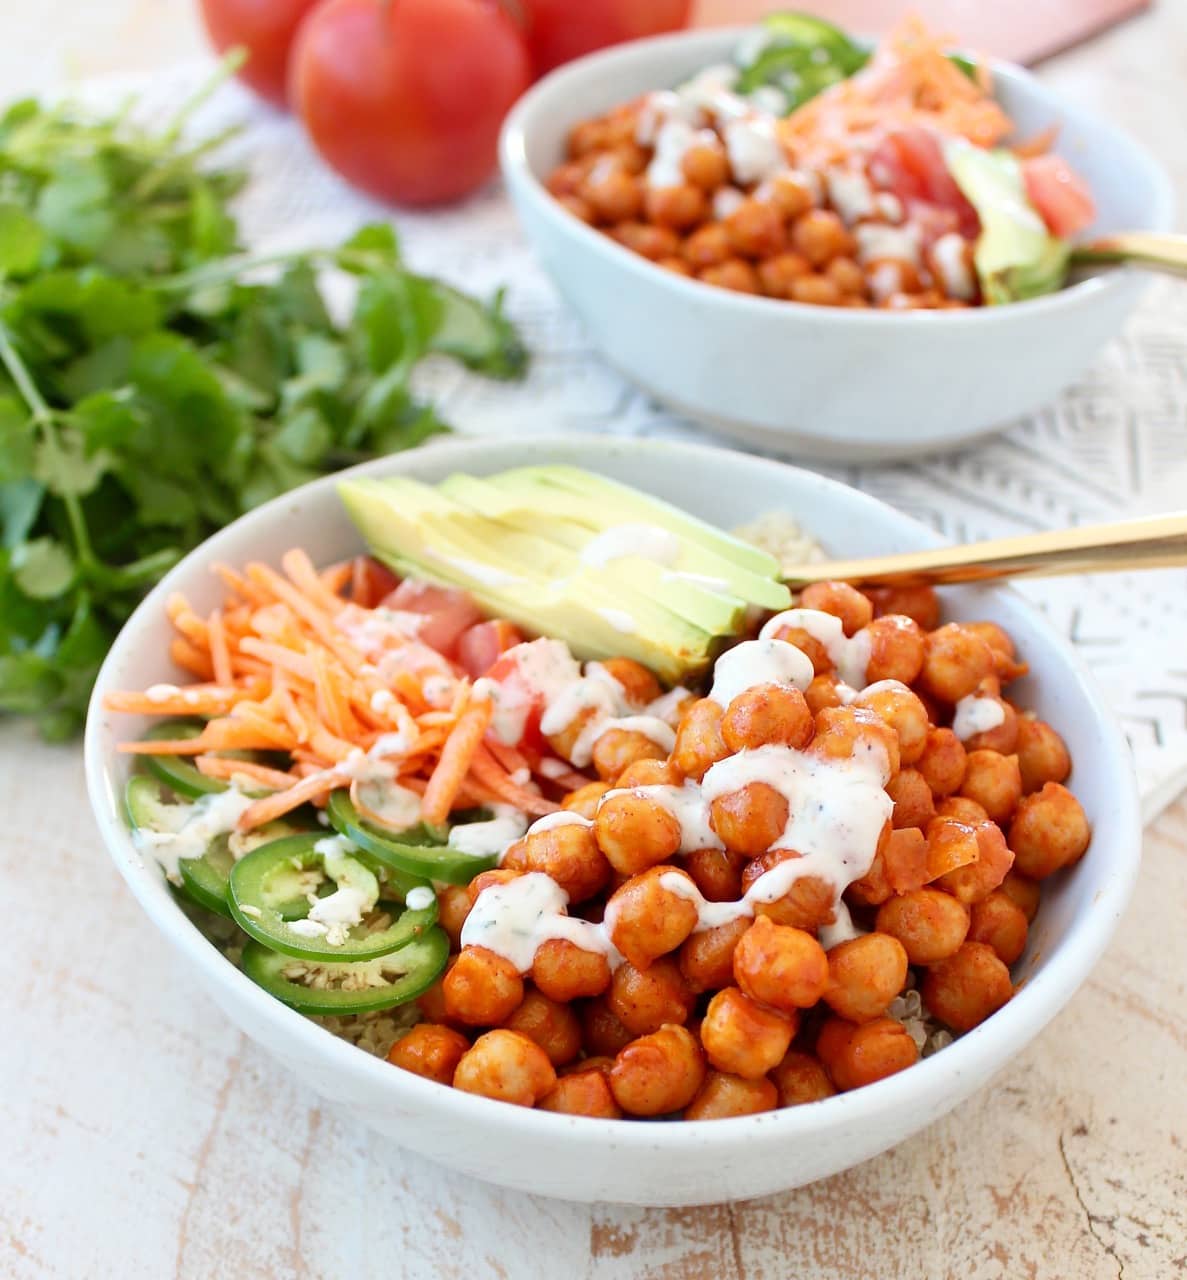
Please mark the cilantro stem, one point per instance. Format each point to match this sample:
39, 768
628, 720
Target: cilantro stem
234, 59
232, 268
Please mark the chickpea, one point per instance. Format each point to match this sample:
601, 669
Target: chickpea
815, 290
588, 136
612, 193
872, 889
734, 273
723, 1095
617, 749
955, 661
779, 966
965, 989
564, 971
1006, 665
925, 301
929, 924
706, 165
865, 974
976, 880
579, 207
777, 274
585, 800
807, 904
584, 1093
622, 125
848, 277
994, 782
913, 803
821, 236
999, 921
790, 193
891, 278
482, 989
943, 761
708, 246
801, 1078
707, 959
903, 711
677, 266
644, 238
808, 645
919, 603
567, 180
750, 819
896, 649
1050, 830
951, 843
658, 1073
649, 773
767, 714
638, 684
834, 1034
1002, 738
647, 919
824, 691
453, 906
1023, 892
755, 229
601, 1031
872, 1052
1042, 754
600, 1063
552, 1025
699, 743
507, 1066
432, 1002
679, 208
644, 1000
430, 1051
487, 880
841, 600
905, 857
717, 873
635, 832
962, 809
569, 854
744, 1038
842, 731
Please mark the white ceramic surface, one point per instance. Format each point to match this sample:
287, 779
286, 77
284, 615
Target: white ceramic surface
814, 381
648, 1163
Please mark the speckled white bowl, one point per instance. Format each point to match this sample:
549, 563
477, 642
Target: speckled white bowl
821, 382
648, 1163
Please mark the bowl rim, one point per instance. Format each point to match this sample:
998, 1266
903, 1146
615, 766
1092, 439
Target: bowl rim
516, 171
1036, 1002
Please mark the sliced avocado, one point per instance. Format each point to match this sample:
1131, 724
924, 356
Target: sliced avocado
1016, 256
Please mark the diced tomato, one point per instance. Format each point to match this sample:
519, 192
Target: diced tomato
370, 581
1061, 196
506, 672
449, 611
909, 163
481, 645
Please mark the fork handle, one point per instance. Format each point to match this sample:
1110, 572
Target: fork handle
1155, 542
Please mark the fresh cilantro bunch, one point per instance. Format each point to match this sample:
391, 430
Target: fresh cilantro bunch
153, 385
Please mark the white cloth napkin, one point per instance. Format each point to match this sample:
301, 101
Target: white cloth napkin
1113, 446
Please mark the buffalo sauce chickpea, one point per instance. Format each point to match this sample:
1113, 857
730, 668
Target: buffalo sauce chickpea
697, 1000
777, 236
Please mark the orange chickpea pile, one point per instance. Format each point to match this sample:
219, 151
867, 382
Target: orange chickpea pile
779, 238
756, 1014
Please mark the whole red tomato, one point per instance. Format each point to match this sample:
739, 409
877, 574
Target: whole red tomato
404, 98
265, 28
560, 30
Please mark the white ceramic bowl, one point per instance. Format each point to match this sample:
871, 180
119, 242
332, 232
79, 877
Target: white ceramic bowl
820, 382
647, 1163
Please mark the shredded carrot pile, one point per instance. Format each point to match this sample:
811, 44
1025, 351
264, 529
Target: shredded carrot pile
910, 80
277, 671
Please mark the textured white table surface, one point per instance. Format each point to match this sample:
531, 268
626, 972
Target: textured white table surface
141, 1136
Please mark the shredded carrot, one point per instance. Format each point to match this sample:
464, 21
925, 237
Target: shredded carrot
454, 762
486, 769
193, 700
279, 803
224, 767
305, 577
220, 655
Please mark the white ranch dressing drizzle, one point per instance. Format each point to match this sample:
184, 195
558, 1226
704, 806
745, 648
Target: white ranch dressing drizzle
622, 622
725, 201
667, 706
515, 919
374, 631
395, 807
755, 662
659, 731
545, 668
686, 804
648, 541
357, 892
490, 838
675, 140
488, 575
877, 241
420, 898
754, 150
562, 818
851, 195
952, 266
191, 828
849, 654
976, 715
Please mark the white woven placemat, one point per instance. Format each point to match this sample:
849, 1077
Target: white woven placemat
1114, 446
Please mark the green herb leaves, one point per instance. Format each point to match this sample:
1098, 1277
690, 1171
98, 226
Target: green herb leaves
153, 388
